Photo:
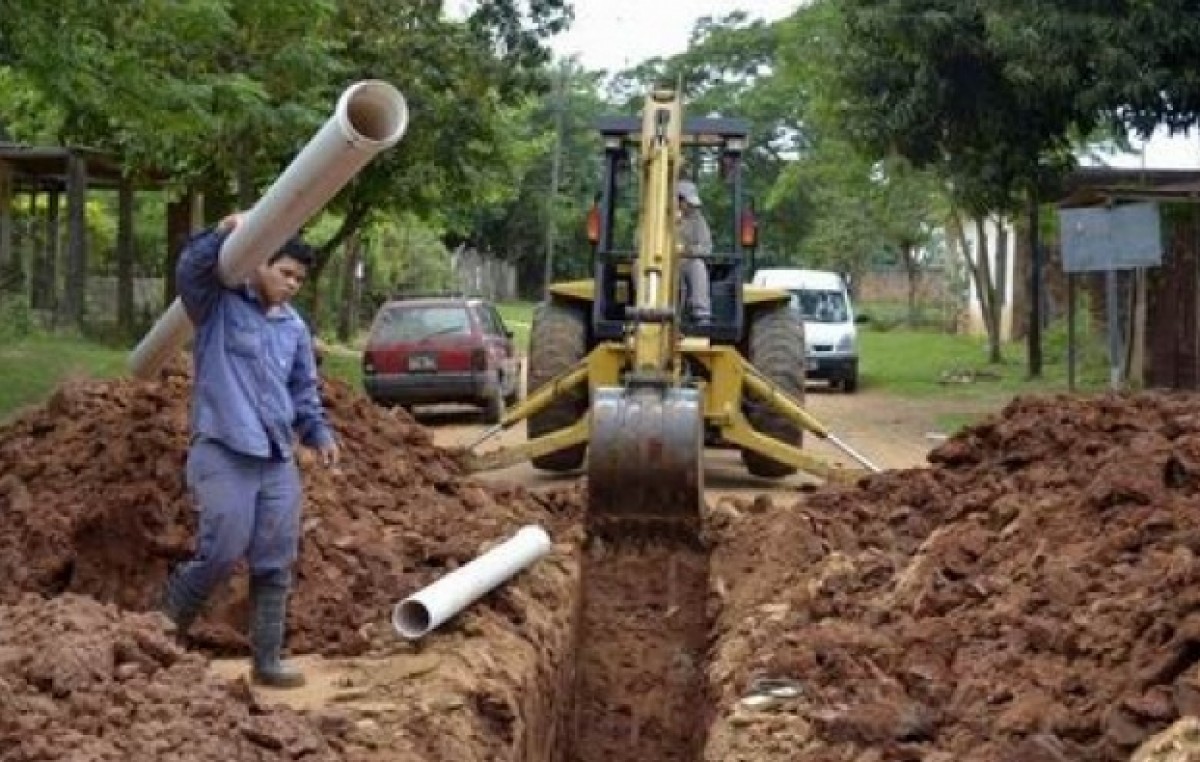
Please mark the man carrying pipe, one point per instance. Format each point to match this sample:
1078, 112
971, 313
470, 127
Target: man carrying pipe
254, 387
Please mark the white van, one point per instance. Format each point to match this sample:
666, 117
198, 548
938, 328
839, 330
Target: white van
821, 298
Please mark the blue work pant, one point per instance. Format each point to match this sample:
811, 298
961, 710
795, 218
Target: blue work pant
249, 508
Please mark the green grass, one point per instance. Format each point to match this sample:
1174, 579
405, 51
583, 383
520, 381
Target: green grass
30, 368
917, 364
905, 363
518, 316
954, 369
343, 363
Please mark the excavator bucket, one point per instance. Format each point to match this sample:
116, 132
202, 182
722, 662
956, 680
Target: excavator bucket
644, 457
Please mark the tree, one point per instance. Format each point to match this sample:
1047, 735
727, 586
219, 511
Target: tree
862, 205
990, 95
223, 93
729, 69
515, 229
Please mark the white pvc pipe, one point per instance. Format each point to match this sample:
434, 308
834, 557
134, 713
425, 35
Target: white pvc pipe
425, 610
370, 116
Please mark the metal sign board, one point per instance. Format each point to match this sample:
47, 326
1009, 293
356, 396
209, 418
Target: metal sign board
1117, 238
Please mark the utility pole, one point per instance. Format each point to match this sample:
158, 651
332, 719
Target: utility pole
555, 169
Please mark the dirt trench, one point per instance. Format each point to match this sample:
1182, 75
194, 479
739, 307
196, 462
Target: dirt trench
639, 678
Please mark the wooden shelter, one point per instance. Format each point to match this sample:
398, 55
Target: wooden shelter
66, 176
1166, 302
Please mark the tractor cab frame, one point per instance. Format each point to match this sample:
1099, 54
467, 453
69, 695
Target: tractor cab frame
710, 147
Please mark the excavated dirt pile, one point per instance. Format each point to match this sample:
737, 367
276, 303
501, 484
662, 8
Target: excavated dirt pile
93, 502
83, 680
1035, 595
94, 511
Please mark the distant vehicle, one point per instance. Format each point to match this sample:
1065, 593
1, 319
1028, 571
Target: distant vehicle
830, 335
443, 349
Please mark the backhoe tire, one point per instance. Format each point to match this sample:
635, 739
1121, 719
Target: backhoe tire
557, 342
776, 350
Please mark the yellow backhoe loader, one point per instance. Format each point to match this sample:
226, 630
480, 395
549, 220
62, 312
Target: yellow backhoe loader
622, 376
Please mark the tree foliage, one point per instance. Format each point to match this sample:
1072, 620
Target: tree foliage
223, 93
730, 70
865, 113
994, 92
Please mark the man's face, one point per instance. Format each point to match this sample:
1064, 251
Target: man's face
280, 280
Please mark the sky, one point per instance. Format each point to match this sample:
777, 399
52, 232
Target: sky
1162, 151
616, 34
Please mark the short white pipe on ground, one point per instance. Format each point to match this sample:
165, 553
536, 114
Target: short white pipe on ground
424, 611
370, 116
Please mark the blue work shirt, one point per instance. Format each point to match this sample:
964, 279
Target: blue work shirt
255, 374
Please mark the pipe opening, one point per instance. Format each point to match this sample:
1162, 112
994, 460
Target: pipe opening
411, 618
376, 111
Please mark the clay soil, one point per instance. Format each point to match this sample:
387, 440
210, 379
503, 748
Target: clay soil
639, 689
1029, 595
93, 509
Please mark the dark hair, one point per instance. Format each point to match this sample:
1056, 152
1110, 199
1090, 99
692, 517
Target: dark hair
295, 249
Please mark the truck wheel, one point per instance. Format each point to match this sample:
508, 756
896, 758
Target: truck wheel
777, 352
494, 407
850, 383
515, 395
557, 342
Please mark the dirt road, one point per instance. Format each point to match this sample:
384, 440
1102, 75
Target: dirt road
891, 431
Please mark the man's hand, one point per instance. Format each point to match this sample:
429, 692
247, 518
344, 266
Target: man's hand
330, 453
230, 223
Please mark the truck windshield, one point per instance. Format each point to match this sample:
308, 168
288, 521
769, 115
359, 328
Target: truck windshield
820, 306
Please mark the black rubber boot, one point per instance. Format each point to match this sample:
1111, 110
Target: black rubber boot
268, 612
181, 607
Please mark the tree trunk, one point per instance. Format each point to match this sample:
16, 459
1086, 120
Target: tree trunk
980, 272
347, 310
987, 291
912, 273
125, 257
184, 215
1001, 279
74, 308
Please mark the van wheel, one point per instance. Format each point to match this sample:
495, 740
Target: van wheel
850, 384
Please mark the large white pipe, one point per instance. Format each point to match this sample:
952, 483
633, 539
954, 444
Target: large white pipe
370, 116
425, 610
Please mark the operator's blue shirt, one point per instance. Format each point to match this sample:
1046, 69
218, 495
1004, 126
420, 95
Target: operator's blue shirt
255, 375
